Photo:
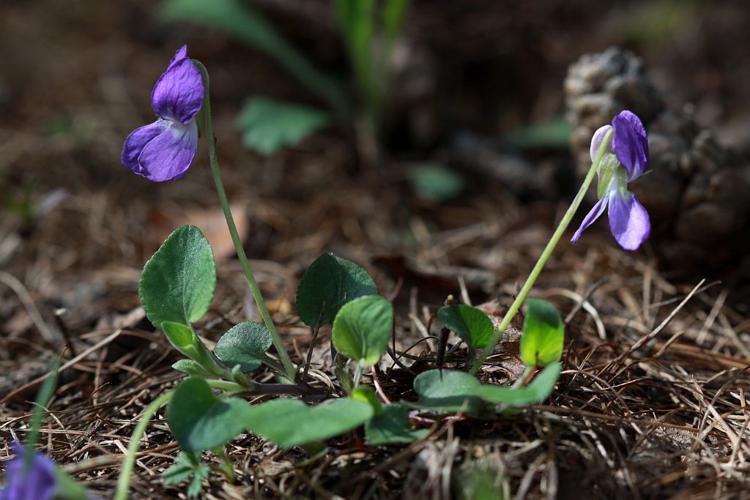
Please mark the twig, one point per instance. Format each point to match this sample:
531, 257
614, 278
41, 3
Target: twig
67, 365
655, 331
28, 303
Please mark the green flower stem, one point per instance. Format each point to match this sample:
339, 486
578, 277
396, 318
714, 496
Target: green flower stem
226, 385
357, 375
208, 130
227, 467
123, 482
546, 254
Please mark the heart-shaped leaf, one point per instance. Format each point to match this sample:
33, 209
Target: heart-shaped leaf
200, 420
290, 422
244, 344
391, 426
328, 284
543, 334
471, 324
362, 329
452, 388
177, 283
270, 125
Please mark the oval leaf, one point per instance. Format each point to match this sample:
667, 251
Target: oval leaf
391, 426
290, 422
177, 283
447, 390
471, 324
543, 334
269, 125
328, 284
244, 344
200, 420
451, 388
435, 182
536, 392
363, 328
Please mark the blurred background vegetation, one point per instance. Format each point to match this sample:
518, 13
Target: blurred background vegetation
407, 98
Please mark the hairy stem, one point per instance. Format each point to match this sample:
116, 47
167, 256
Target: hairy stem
208, 130
123, 482
546, 254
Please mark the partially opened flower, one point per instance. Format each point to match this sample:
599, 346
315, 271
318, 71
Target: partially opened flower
163, 150
38, 481
624, 161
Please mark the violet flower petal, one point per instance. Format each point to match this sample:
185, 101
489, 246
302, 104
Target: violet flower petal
591, 217
178, 56
169, 154
596, 140
178, 94
39, 482
136, 141
630, 144
628, 220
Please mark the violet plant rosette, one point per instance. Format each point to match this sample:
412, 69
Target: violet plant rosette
163, 150
36, 480
625, 160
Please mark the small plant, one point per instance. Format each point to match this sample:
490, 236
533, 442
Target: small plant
207, 410
369, 30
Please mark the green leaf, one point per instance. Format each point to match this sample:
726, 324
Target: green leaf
68, 488
471, 324
481, 479
435, 182
177, 283
185, 468
447, 390
394, 13
179, 471
554, 133
391, 426
200, 420
190, 367
342, 372
536, 392
268, 125
452, 388
357, 21
184, 339
367, 395
240, 20
543, 334
195, 486
290, 422
244, 345
362, 329
37, 416
328, 284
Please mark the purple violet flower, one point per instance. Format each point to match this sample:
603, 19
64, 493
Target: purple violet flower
39, 482
625, 160
163, 150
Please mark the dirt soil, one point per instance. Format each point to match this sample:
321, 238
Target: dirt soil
651, 402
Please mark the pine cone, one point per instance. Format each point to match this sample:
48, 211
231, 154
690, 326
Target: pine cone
697, 193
